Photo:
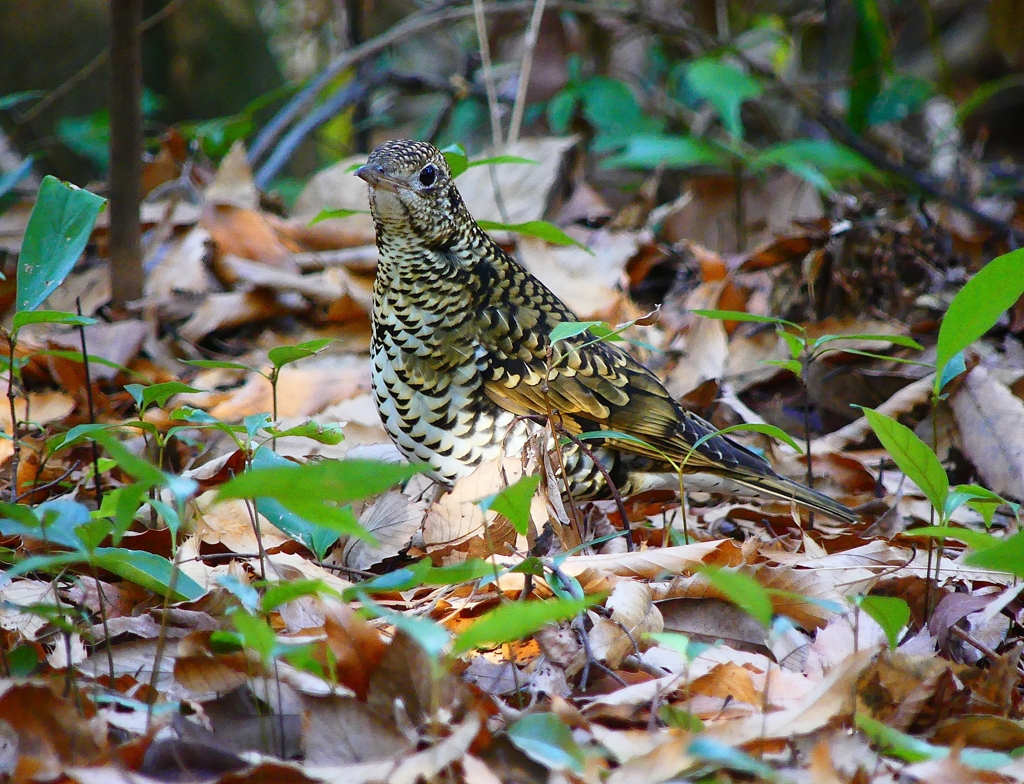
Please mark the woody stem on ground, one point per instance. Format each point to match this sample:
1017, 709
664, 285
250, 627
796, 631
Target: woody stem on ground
806, 360
14, 418
126, 141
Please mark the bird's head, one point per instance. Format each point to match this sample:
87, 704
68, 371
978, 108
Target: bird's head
413, 193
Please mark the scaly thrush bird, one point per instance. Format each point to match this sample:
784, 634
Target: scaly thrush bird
463, 363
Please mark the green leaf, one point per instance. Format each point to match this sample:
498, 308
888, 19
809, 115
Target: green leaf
282, 593
797, 343
497, 159
679, 719
913, 457
53, 521
561, 108
329, 433
978, 305
725, 87
792, 365
256, 635
147, 570
672, 152
76, 356
216, 363
157, 393
314, 493
285, 355
752, 427
896, 743
610, 106
340, 481
570, 329
889, 612
9, 180
57, 232
13, 99
897, 340
900, 98
739, 315
247, 596
513, 502
679, 643
951, 370
870, 60
424, 573
21, 661
805, 157
743, 591
339, 213
456, 158
976, 540
25, 317
985, 93
535, 228
721, 755
546, 739
515, 620
1007, 556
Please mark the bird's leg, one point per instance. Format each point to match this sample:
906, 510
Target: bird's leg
626, 528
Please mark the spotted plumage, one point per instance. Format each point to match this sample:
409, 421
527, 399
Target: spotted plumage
463, 364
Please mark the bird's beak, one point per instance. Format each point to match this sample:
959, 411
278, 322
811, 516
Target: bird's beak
372, 174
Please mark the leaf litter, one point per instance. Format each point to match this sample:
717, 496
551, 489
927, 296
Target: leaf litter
322, 653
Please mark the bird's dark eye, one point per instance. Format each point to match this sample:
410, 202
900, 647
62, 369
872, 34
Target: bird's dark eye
427, 175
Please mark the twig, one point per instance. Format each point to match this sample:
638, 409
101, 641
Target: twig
413, 25
529, 46
53, 483
485, 66
626, 528
16, 456
92, 409
352, 93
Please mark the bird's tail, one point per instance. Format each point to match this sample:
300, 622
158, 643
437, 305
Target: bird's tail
788, 490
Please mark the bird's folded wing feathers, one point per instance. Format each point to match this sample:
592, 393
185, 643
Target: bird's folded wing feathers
608, 390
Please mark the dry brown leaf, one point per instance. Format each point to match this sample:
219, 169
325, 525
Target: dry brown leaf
52, 731
245, 232
393, 519
830, 698
245, 273
951, 770
356, 646
233, 183
525, 189
455, 519
705, 350
423, 765
182, 267
666, 761
589, 283
633, 614
230, 309
706, 213
990, 419
345, 731
600, 572
204, 674
727, 681
302, 390
228, 523
711, 619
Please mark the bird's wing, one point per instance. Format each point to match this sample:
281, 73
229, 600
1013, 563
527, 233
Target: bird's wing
597, 386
